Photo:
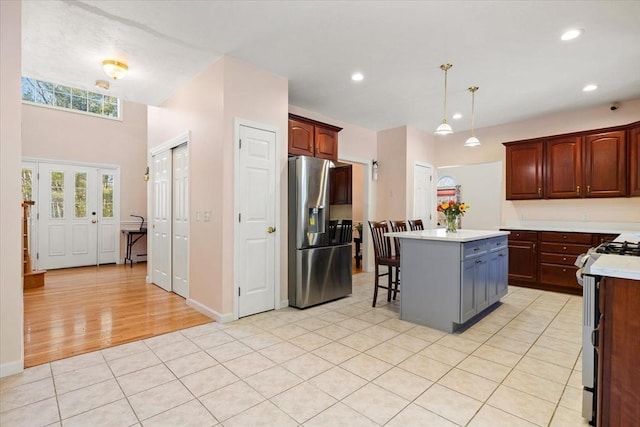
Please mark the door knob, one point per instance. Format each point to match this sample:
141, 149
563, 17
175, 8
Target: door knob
93, 221
271, 230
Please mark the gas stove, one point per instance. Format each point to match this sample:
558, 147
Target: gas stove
619, 248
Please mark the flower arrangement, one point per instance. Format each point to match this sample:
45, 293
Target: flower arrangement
452, 211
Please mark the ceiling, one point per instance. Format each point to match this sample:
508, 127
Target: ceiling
510, 49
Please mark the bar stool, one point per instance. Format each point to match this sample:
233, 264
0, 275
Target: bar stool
416, 224
384, 258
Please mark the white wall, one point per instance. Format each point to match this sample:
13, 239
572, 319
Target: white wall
587, 212
481, 189
11, 303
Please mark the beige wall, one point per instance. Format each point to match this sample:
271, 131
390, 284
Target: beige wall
207, 107
589, 212
420, 148
392, 174
53, 134
11, 305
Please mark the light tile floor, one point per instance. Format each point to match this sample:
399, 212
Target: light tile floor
342, 363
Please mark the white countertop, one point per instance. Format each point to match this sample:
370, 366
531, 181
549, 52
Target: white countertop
440, 234
622, 266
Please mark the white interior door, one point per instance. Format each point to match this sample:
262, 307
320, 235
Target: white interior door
161, 226
256, 252
68, 220
108, 215
180, 229
422, 194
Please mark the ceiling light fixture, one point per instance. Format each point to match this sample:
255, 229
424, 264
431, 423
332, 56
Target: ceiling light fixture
457, 116
114, 69
356, 77
589, 88
472, 141
571, 34
444, 128
102, 84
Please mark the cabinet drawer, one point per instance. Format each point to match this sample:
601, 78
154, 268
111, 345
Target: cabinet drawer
559, 275
561, 248
530, 236
496, 243
564, 259
549, 236
471, 249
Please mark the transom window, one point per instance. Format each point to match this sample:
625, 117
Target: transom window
59, 96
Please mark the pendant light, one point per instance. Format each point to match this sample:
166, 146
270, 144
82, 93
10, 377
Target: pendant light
444, 128
472, 141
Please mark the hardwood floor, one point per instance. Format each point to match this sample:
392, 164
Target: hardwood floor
90, 308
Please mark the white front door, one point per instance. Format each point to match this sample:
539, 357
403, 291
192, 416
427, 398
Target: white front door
180, 229
161, 225
256, 226
68, 216
422, 189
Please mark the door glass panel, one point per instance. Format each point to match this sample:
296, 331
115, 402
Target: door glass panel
57, 194
27, 184
107, 196
81, 195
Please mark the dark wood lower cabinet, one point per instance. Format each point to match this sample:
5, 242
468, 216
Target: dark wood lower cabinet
619, 353
523, 257
546, 259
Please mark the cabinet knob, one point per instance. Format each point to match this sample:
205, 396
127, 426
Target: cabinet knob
588, 189
578, 189
564, 270
539, 191
564, 248
564, 258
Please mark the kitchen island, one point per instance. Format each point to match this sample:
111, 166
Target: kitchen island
448, 279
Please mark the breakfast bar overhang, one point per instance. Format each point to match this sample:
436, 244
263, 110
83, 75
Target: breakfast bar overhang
449, 279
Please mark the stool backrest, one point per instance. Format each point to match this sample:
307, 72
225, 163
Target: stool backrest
398, 226
381, 244
416, 224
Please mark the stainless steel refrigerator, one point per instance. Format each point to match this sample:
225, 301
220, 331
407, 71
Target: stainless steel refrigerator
319, 263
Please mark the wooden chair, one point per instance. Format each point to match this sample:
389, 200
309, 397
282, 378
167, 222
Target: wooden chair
333, 230
384, 258
397, 226
416, 224
346, 231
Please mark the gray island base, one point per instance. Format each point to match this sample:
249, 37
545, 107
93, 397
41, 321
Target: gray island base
448, 279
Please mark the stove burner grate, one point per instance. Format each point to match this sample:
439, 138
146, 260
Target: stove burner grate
619, 248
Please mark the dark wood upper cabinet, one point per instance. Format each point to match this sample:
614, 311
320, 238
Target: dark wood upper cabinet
605, 164
564, 168
308, 137
593, 163
634, 161
301, 138
341, 185
524, 171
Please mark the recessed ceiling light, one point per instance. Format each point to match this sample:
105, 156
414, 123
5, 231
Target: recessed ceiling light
356, 77
457, 116
589, 88
571, 34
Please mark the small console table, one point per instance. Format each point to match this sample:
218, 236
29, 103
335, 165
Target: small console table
132, 237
